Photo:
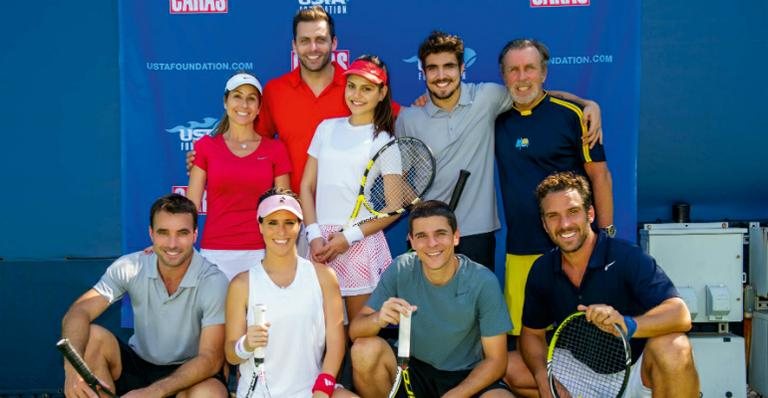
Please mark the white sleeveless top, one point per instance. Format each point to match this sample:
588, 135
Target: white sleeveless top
294, 353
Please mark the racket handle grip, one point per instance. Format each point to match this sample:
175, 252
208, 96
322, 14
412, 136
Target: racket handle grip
404, 337
259, 318
458, 189
77, 362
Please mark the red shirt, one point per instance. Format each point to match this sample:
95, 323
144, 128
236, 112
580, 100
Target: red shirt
234, 185
292, 110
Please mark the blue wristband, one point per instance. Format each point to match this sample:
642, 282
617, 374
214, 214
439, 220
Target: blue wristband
631, 326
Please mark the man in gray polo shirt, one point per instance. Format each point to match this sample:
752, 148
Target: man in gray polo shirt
457, 123
178, 305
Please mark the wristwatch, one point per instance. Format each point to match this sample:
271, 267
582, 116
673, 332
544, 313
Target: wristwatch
610, 230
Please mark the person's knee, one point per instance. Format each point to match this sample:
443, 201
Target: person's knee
101, 343
517, 374
344, 393
670, 353
99, 335
209, 387
498, 393
367, 352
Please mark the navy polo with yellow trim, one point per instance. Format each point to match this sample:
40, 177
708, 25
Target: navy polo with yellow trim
530, 145
618, 274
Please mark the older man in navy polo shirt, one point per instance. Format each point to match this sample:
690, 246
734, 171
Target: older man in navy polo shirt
615, 283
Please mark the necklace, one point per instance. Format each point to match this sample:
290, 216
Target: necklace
241, 144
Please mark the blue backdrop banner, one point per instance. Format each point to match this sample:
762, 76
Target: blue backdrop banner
175, 58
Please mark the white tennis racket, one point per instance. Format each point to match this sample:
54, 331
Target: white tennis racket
259, 312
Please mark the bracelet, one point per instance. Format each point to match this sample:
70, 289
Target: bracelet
631, 326
313, 232
324, 383
240, 350
353, 235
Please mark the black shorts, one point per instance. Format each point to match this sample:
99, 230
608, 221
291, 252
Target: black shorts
138, 373
427, 381
480, 248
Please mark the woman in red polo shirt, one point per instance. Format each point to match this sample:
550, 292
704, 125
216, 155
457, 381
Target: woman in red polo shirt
338, 154
237, 166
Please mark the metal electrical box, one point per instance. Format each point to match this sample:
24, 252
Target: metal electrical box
705, 262
758, 357
758, 258
721, 365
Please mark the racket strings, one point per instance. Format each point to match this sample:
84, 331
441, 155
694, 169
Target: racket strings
259, 376
589, 362
399, 176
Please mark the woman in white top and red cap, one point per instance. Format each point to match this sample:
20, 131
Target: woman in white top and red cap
338, 155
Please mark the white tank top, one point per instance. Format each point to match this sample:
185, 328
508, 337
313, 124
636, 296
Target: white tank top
294, 353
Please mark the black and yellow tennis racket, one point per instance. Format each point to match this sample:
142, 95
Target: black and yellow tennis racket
586, 362
396, 178
402, 377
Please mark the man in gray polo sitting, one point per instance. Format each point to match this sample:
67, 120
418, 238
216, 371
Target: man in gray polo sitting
178, 305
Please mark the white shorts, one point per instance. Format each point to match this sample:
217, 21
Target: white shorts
635, 386
233, 262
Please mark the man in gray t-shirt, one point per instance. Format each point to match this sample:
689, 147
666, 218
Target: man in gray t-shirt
459, 319
178, 304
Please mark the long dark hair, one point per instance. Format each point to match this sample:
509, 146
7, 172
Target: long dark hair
383, 116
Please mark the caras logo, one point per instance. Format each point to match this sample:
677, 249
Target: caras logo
470, 56
193, 132
199, 6
182, 190
341, 57
559, 3
330, 6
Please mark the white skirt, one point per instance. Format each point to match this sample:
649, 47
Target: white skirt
233, 262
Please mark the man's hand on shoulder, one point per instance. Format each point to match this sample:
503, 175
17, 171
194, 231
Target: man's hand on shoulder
190, 160
420, 101
594, 122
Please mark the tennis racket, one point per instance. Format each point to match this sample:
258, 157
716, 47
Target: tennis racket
458, 189
402, 377
74, 359
259, 312
396, 178
584, 361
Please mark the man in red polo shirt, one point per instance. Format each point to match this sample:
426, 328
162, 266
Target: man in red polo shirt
296, 102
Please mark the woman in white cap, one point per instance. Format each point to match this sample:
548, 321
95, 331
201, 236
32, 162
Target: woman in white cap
236, 165
303, 338
338, 154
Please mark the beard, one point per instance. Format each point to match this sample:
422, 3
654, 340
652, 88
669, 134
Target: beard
525, 99
323, 63
436, 94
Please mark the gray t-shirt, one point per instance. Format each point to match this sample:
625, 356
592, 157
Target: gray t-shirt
450, 319
166, 328
462, 139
